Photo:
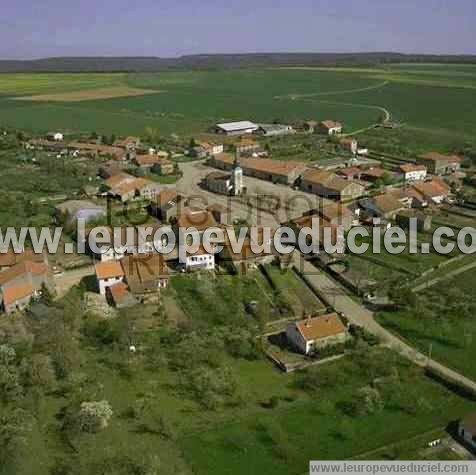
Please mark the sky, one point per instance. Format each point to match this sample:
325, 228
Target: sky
45, 28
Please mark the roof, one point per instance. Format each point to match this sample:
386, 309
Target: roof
327, 179
330, 124
432, 189
218, 176
119, 292
436, 157
10, 258
22, 269
101, 149
347, 141
411, 167
147, 159
387, 203
107, 270
320, 327
349, 171
374, 172
17, 292
334, 210
198, 219
236, 126
144, 268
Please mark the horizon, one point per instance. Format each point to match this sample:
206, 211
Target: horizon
160, 30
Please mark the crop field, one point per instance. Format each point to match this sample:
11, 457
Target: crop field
430, 99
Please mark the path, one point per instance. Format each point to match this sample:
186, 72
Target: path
448, 276
70, 278
360, 315
293, 97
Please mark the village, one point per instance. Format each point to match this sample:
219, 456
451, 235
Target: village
310, 309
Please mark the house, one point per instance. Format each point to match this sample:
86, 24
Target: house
165, 205
200, 259
283, 172
211, 148
373, 174
145, 274
55, 136
247, 146
236, 128
97, 150
350, 145
10, 258
329, 185
309, 126
198, 219
434, 191
111, 167
467, 429
349, 173
218, 182
423, 220
439, 164
316, 333
108, 274
154, 163
129, 143
330, 127
198, 152
337, 214
245, 258
382, 206
412, 172
273, 130
127, 187
22, 282
69, 212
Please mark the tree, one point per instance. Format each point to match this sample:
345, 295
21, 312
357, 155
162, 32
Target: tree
94, 416
193, 143
10, 384
14, 428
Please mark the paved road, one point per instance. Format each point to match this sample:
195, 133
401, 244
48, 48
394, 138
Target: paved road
359, 315
449, 275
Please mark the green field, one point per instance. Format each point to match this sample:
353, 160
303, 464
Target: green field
442, 320
433, 100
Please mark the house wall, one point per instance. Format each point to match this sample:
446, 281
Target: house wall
202, 261
323, 342
295, 338
104, 283
466, 435
415, 175
19, 304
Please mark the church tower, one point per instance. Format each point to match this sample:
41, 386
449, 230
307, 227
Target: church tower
237, 176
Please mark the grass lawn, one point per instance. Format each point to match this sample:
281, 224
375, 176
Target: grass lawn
294, 290
212, 299
452, 337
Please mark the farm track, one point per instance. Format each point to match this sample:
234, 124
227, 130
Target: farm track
294, 97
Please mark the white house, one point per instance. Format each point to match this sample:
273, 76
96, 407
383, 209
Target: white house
108, 274
314, 333
200, 260
467, 429
330, 127
55, 136
411, 172
236, 128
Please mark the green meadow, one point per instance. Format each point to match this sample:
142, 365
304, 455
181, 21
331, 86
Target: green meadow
430, 99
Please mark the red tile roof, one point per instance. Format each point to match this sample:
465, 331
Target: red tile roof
107, 270
320, 327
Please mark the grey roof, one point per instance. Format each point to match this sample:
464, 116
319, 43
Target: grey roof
234, 126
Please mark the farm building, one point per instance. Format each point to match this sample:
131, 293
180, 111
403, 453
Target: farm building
55, 136
330, 127
439, 164
70, 211
200, 259
309, 126
22, 282
236, 128
435, 191
273, 130
127, 187
145, 274
315, 333
349, 144
275, 171
467, 429
329, 185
